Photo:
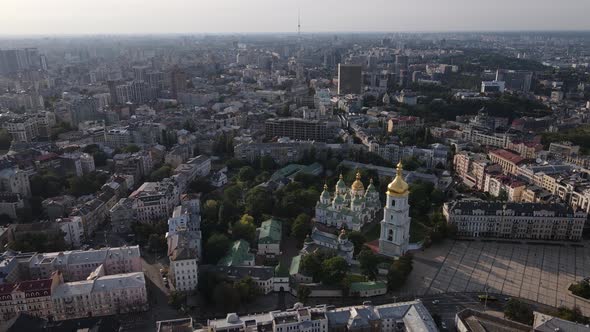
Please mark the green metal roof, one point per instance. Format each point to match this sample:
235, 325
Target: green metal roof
295, 262
270, 232
237, 255
366, 286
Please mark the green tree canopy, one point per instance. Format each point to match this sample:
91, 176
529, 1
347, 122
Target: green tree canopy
301, 226
216, 247
518, 311
244, 229
334, 270
368, 263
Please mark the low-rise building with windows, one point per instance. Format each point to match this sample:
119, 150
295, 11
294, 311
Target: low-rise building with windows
515, 220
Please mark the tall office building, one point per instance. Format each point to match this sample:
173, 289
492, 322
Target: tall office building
178, 81
350, 79
515, 80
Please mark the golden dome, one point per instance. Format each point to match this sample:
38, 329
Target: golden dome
357, 185
398, 187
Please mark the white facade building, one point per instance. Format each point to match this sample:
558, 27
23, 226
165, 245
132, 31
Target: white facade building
395, 226
351, 208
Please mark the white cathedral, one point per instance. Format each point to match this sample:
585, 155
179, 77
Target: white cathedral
354, 207
349, 208
395, 226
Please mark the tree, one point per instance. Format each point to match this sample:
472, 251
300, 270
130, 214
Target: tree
368, 263
398, 272
157, 242
210, 210
161, 173
519, 312
301, 226
334, 270
216, 247
5, 139
226, 297
267, 163
176, 299
311, 264
246, 174
358, 239
232, 194
258, 201
201, 185
581, 289
303, 293
244, 229
247, 289
573, 315
131, 148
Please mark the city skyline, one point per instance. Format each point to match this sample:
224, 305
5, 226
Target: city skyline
265, 16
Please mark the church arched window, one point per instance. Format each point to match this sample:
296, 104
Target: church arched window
392, 202
390, 235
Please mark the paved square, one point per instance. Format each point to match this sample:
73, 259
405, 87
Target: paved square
540, 273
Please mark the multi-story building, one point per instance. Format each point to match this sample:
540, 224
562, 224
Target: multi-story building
10, 204
401, 123
507, 160
32, 297
515, 220
402, 316
16, 181
103, 295
564, 149
22, 129
297, 129
269, 238
78, 264
184, 268
350, 79
195, 167
515, 80
122, 215
118, 137
72, 230
349, 207
155, 201
282, 152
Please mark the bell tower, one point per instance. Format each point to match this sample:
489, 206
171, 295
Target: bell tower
395, 226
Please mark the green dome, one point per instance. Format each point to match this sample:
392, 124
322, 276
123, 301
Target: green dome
340, 184
338, 199
371, 187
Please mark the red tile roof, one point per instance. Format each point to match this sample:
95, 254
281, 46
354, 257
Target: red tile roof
507, 155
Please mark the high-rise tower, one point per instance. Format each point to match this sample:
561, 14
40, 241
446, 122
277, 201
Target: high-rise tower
395, 226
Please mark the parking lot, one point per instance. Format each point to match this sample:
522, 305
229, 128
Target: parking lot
538, 272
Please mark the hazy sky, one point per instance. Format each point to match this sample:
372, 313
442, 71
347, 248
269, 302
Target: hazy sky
169, 16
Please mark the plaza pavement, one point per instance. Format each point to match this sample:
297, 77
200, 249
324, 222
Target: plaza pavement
537, 272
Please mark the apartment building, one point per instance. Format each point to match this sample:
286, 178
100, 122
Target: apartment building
155, 201
78, 264
509, 161
16, 181
32, 297
515, 220
402, 316
296, 128
100, 296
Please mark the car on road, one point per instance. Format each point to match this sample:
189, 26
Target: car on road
435, 302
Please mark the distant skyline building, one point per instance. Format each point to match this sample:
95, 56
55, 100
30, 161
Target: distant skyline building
350, 79
515, 80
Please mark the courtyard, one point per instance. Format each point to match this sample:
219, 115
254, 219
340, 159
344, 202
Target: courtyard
537, 272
